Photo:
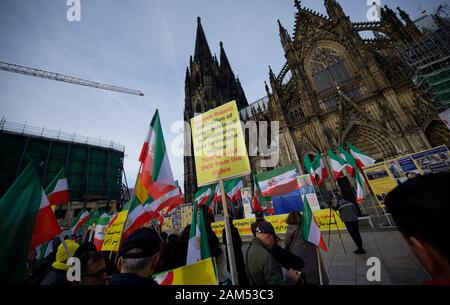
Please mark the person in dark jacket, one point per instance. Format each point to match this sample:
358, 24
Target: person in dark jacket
349, 216
237, 248
262, 267
138, 258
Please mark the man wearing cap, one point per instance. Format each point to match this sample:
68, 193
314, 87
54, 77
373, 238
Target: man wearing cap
138, 257
262, 267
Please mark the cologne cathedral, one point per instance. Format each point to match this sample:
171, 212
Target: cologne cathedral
336, 87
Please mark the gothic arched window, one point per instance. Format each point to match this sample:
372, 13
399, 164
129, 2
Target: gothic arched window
327, 68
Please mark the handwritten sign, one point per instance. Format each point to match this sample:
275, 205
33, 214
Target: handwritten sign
114, 233
219, 146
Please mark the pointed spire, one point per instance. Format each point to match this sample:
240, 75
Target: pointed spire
297, 4
284, 36
202, 51
334, 9
272, 76
188, 75
267, 88
241, 94
224, 63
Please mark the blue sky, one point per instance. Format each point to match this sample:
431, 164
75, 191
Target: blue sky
140, 44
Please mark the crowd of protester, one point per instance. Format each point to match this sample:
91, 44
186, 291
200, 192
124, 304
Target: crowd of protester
417, 206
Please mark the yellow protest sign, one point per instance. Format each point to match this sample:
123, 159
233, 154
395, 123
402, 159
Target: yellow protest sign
114, 232
219, 146
201, 273
380, 178
167, 224
186, 215
323, 218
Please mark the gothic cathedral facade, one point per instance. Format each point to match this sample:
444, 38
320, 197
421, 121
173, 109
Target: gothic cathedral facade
335, 88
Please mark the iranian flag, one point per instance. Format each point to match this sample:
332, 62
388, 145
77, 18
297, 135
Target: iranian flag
278, 182
156, 174
337, 165
217, 194
138, 216
19, 209
46, 226
360, 187
100, 230
171, 198
198, 247
203, 195
319, 168
258, 200
309, 168
164, 278
176, 202
80, 220
233, 189
309, 228
362, 160
58, 191
349, 160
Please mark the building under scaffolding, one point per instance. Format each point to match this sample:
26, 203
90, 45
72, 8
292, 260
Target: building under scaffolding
428, 59
94, 167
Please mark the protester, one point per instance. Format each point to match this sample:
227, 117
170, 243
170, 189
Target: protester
138, 258
349, 216
259, 217
262, 267
295, 244
57, 275
237, 248
168, 255
93, 269
420, 208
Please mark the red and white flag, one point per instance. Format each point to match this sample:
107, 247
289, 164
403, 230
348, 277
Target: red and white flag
58, 190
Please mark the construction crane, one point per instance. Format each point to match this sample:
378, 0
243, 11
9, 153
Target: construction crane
64, 78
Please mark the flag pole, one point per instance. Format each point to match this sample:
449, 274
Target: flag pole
229, 241
319, 267
61, 237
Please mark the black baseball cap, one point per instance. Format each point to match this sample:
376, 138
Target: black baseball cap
145, 240
265, 227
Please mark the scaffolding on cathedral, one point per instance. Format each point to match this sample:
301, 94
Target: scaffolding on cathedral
428, 59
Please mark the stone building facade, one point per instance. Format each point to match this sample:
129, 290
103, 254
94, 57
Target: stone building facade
335, 88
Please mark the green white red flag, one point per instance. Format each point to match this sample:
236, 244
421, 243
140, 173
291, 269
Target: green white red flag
198, 247
337, 165
80, 220
309, 228
362, 160
58, 190
278, 182
100, 230
361, 190
233, 189
21, 226
309, 168
156, 174
350, 161
319, 168
258, 200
